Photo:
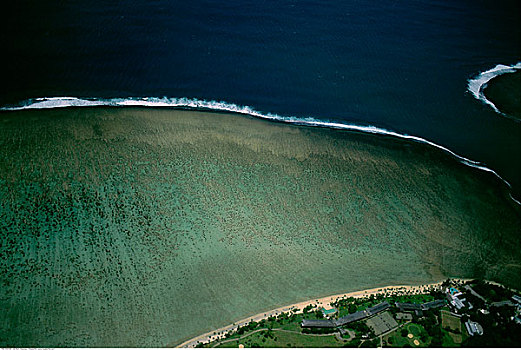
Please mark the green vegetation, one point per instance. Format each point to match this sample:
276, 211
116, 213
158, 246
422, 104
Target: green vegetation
491, 291
351, 305
400, 337
280, 338
435, 328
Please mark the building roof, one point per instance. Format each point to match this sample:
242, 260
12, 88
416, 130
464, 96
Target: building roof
318, 323
433, 304
458, 303
408, 306
473, 328
359, 315
502, 303
379, 308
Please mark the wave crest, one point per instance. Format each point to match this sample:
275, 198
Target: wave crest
478, 84
187, 103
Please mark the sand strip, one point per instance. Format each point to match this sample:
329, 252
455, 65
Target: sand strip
319, 302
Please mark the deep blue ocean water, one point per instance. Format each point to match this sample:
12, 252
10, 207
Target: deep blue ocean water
398, 65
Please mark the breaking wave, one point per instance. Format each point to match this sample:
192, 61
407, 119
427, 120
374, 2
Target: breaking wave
196, 104
479, 83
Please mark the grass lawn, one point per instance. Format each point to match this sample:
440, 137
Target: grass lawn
450, 339
448, 323
285, 339
395, 339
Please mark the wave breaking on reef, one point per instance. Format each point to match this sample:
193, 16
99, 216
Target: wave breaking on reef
479, 83
196, 104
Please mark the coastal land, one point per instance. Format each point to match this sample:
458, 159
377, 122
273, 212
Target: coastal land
145, 227
452, 313
324, 302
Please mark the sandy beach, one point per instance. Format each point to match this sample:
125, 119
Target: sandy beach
319, 302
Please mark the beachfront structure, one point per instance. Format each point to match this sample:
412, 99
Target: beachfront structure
433, 304
473, 292
318, 324
360, 315
502, 303
379, 308
453, 295
473, 328
457, 303
408, 306
357, 316
418, 308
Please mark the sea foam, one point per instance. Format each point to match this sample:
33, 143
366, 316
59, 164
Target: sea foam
196, 104
477, 84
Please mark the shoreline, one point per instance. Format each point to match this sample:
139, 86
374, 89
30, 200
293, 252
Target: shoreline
320, 302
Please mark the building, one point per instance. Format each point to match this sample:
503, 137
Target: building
379, 308
357, 316
453, 296
473, 328
502, 303
360, 315
408, 306
417, 308
318, 324
473, 292
517, 299
433, 304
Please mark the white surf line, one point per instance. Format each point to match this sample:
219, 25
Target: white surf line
478, 84
62, 102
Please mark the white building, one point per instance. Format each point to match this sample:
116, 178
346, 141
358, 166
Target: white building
473, 328
453, 296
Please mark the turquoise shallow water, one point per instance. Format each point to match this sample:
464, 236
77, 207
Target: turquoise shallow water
133, 227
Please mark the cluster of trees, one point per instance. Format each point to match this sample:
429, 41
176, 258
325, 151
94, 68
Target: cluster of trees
246, 328
430, 323
308, 308
362, 328
268, 335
